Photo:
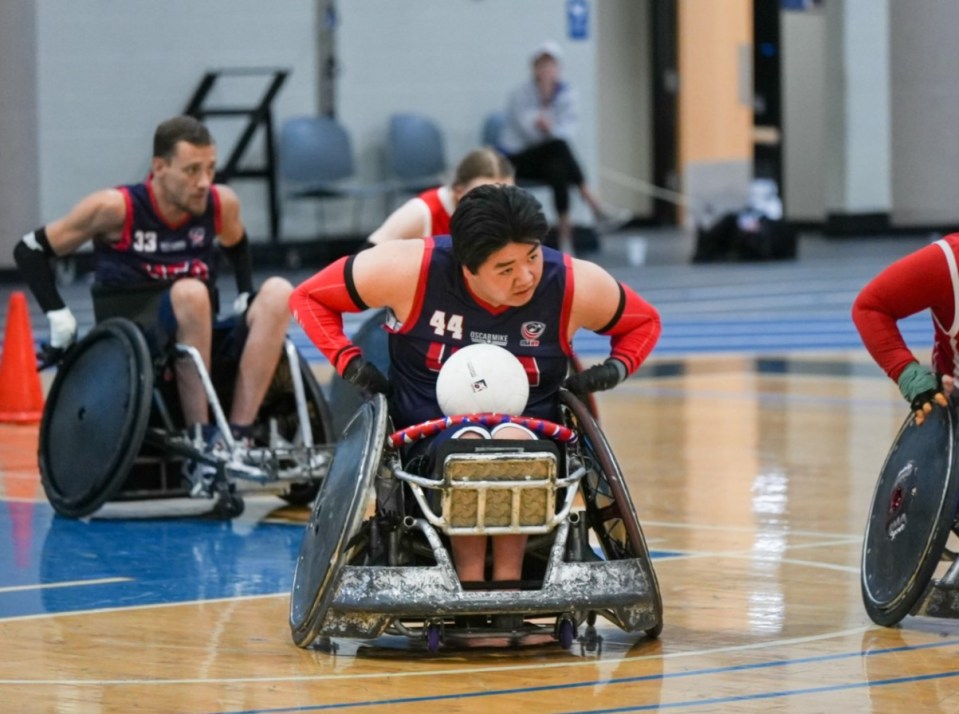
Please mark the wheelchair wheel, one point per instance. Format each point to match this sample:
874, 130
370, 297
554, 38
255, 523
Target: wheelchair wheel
95, 418
610, 511
912, 512
575, 367
336, 519
279, 405
345, 399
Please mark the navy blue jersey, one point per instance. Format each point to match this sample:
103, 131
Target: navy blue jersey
151, 249
446, 316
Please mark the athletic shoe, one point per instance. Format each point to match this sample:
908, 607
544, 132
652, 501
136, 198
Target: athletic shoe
199, 476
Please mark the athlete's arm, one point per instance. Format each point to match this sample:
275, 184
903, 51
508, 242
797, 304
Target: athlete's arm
383, 276
236, 245
232, 230
99, 214
917, 282
411, 220
608, 307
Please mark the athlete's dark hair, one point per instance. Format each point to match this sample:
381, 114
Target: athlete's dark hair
489, 218
182, 128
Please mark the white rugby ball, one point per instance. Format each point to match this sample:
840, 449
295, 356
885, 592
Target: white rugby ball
482, 378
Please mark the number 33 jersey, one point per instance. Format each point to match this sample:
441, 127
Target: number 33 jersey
151, 249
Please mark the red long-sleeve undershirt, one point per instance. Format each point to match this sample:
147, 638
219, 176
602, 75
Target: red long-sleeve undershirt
318, 305
635, 332
917, 282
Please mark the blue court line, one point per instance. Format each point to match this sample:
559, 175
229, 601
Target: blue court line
660, 677
771, 695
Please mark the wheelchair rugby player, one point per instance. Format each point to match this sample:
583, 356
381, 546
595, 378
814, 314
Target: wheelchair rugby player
473, 527
143, 374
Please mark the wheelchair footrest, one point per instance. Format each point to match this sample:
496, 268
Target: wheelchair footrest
499, 486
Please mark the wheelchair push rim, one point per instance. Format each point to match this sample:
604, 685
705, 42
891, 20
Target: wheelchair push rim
95, 418
337, 516
911, 515
633, 543
345, 398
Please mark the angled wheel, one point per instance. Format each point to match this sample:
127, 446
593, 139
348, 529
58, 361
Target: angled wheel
345, 399
336, 519
95, 418
610, 511
912, 512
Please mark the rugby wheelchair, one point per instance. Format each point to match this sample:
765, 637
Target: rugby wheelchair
112, 427
913, 513
375, 555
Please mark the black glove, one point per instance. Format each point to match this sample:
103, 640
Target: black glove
597, 378
923, 403
367, 377
50, 356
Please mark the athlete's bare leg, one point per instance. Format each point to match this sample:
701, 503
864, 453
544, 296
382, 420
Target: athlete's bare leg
190, 300
268, 319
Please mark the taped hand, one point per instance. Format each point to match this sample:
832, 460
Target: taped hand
922, 389
63, 335
241, 303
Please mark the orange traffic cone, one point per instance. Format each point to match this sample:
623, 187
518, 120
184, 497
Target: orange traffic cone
21, 397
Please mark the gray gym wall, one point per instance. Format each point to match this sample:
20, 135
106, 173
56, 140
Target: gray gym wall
925, 112
106, 72
19, 179
836, 120
455, 61
83, 83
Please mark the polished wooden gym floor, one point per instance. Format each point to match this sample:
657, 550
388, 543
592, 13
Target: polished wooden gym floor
752, 475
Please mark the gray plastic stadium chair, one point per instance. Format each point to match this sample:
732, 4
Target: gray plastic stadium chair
316, 162
415, 152
492, 128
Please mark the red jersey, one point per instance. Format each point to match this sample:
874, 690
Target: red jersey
439, 203
925, 279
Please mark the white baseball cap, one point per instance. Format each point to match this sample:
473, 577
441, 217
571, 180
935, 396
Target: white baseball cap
548, 48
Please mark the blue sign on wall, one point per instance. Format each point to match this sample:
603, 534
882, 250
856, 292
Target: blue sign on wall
577, 19
800, 5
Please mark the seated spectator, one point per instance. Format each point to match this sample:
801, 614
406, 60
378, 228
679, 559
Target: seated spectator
541, 118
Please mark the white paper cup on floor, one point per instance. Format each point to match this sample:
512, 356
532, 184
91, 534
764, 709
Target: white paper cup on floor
636, 250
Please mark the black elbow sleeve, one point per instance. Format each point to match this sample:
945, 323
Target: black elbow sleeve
241, 259
32, 255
